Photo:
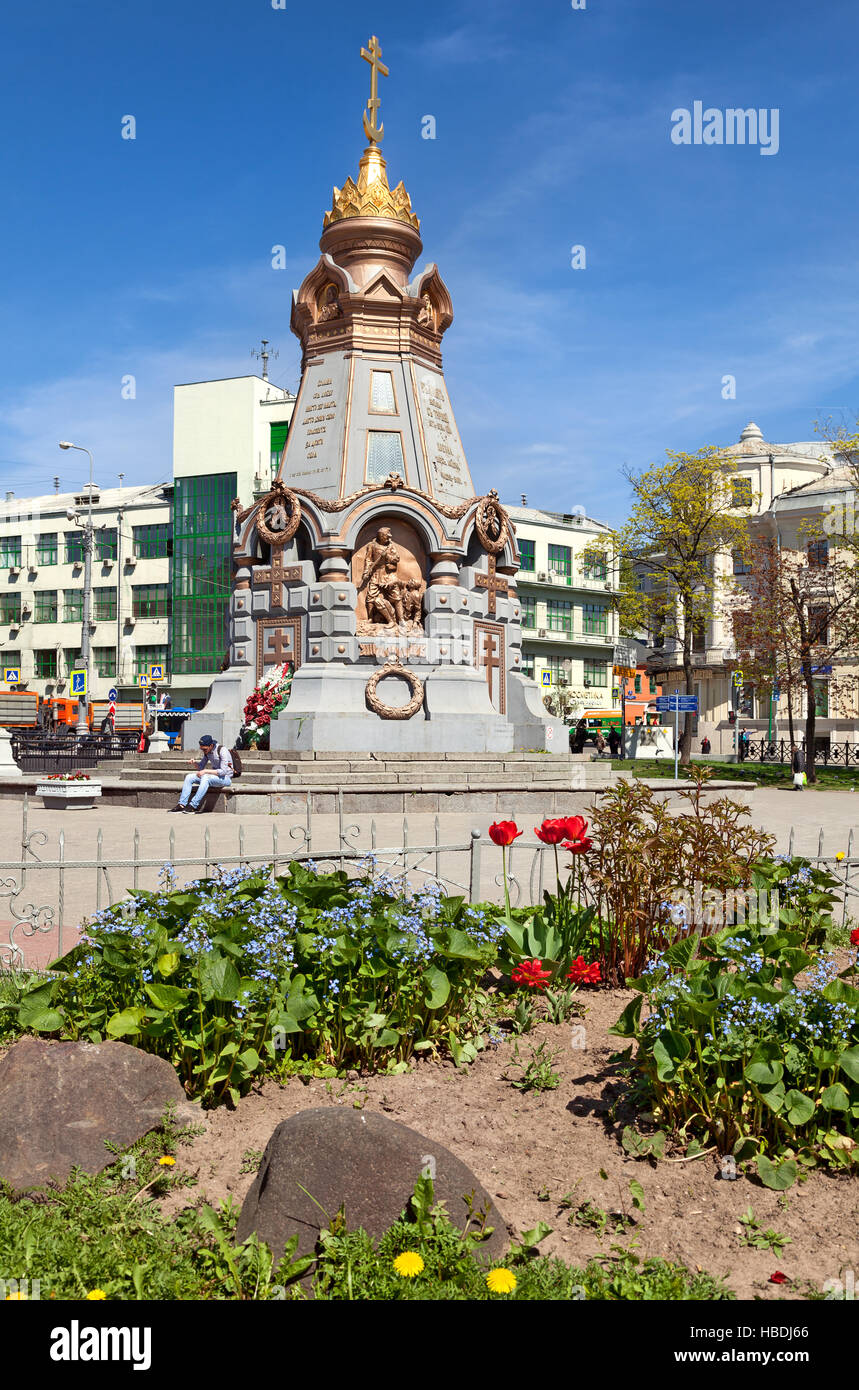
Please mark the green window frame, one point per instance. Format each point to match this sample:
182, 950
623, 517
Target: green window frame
202, 571
104, 604
10, 552
71, 659
73, 605
818, 554
45, 606
638, 685
150, 601
45, 663
105, 661
106, 544
559, 615
10, 608
596, 568
74, 547
46, 549
154, 541
279, 431
147, 656
529, 611
561, 559
596, 672
595, 619
528, 666
555, 666
526, 555
12, 657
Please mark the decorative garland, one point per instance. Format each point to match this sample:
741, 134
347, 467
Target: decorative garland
266, 702
394, 667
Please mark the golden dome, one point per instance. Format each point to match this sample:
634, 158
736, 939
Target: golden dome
371, 196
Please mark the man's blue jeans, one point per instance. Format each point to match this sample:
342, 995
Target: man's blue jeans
206, 780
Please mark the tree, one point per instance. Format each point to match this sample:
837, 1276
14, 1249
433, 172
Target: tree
684, 515
796, 616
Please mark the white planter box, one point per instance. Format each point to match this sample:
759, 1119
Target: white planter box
57, 795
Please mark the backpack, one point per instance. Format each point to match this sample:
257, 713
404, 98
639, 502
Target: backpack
236, 760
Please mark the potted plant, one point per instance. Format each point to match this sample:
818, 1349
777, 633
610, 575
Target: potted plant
63, 789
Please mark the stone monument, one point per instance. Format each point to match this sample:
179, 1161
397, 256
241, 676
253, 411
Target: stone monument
371, 564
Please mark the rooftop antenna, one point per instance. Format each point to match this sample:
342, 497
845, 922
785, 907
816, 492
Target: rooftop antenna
120, 477
524, 500
56, 486
264, 355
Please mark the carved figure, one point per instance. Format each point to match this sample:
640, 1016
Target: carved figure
384, 587
426, 313
413, 601
330, 305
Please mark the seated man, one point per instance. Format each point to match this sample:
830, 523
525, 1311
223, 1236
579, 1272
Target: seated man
220, 760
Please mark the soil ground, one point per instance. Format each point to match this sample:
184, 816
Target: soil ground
522, 1145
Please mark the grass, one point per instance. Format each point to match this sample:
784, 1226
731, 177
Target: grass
765, 774
105, 1236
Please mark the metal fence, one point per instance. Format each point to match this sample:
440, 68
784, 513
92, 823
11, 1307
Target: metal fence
48, 753
826, 753
49, 894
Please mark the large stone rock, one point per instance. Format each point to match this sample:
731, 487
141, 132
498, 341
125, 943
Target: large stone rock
361, 1161
59, 1102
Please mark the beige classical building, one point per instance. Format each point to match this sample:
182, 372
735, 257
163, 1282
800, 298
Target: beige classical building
569, 630
783, 487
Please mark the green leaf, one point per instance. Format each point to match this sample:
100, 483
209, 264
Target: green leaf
798, 1108
167, 997
762, 1069
46, 1021
839, 992
643, 1145
219, 976
637, 1192
849, 1063
627, 1024
669, 1052
167, 963
780, 1176
436, 987
835, 1098
128, 1021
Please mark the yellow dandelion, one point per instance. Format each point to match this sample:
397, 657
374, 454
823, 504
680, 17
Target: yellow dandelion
840, 855
501, 1281
95, 1294
408, 1264
11, 1296
166, 1162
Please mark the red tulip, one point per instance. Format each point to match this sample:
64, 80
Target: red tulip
552, 832
577, 846
576, 827
504, 832
854, 937
582, 974
779, 1278
531, 973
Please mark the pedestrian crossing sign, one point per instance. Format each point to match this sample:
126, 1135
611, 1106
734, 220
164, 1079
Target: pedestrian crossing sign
547, 677
156, 673
78, 679
12, 675
142, 678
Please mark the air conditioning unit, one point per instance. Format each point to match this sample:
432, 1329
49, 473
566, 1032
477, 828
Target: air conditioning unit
130, 622
606, 586
543, 632
107, 564
543, 578
130, 562
26, 609
14, 569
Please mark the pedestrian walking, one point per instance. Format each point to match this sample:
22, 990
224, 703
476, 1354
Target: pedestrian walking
705, 746
613, 741
797, 763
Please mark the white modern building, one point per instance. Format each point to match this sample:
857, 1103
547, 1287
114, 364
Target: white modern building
42, 586
569, 629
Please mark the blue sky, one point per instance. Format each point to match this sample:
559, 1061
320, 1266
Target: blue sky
153, 256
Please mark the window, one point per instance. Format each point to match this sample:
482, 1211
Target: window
279, 431
71, 659
382, 398
560, 559
202, 571
529, 611
46, 549
596, 567
12, 657
105, 544
526, 555
74, 548
105, 661
46, 606
638, 685
821, 699
153, 542
45, 667
528, 666
596, 672
741, 563
594, 617
73, 605
818, 624
150, 600
741, 492
556, 668
818, 554
10, 552
10, 608
144, 657
559, 615
699, 636
384, 455
103, 604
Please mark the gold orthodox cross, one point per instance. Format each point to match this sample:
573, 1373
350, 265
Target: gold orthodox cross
491, 660
276, 575
491, 582
373, 130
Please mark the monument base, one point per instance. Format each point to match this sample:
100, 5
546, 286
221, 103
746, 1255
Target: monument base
653, 741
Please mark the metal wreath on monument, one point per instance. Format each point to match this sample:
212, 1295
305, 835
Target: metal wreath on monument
491, 523
394, 667
279, 515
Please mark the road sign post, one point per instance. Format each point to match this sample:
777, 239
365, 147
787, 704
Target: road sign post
676, 704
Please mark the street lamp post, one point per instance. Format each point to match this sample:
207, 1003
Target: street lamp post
87, 528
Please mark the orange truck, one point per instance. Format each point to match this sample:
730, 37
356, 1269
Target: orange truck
19, 709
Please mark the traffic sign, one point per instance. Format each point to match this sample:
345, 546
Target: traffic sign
547, 678
78, 679
156, 673
737, 679
142, 678
111, 694
12, 675
677, 704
